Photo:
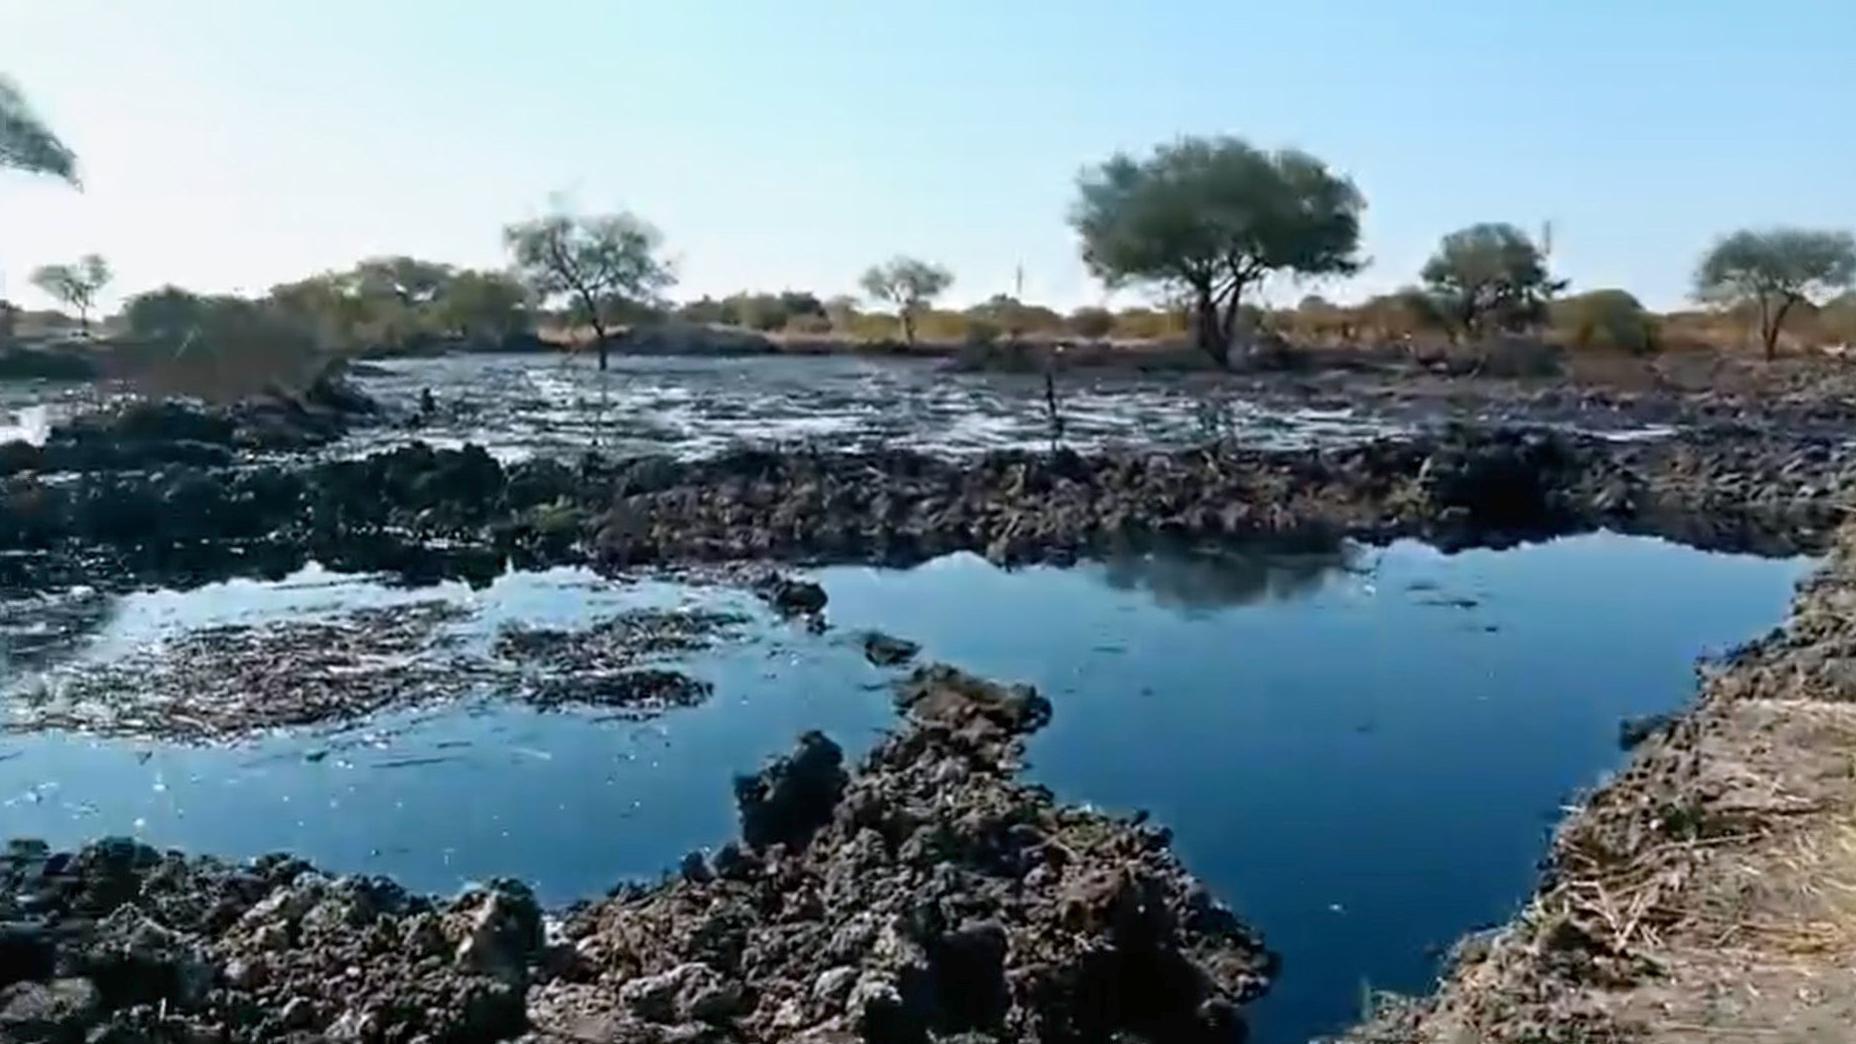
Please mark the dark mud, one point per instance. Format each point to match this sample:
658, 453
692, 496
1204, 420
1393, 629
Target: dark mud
227, 682
139, 434
423, 513
928, 895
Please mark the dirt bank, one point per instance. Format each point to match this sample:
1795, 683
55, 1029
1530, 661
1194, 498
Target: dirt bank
928, 893
418, 511
1708, 893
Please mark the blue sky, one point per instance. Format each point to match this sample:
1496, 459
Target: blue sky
231, 145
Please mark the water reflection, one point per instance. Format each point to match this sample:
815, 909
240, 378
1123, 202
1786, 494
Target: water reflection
1194, 580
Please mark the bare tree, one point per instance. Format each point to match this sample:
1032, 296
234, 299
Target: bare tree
599, 264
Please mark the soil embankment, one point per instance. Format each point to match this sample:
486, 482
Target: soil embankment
928, 891
422, 512
1708, 893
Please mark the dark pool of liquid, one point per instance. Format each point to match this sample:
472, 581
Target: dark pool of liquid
1363, 752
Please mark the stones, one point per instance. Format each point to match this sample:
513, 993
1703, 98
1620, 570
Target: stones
786, 802
888, 651
790, 596
60, 1010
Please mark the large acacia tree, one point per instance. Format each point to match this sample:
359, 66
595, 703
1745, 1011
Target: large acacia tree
1489, 274
26, 143
1211, 218
1773, 271
599, 264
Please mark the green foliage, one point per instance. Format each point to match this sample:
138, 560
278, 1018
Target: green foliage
1489, 276
218, 348
76, 285
1012, 316
909, 284
1213, 217
485, 307
26, 143
1774, 271
600, 265
1093, 323
1605, 319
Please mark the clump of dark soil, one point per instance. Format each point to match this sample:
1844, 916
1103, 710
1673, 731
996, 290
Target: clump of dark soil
149, 433
418, 509
931, 897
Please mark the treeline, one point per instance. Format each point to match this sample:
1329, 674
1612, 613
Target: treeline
1201, 224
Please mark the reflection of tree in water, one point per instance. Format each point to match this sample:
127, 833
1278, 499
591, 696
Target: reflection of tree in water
1213, 578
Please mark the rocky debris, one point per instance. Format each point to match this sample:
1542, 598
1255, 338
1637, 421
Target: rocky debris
937, 898
885, 650
1702, 893
1632, 732
223, 682
418, 508
605, 665
786, 802
791, 596
140, 434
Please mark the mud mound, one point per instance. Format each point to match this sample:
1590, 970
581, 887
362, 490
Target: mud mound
937, 899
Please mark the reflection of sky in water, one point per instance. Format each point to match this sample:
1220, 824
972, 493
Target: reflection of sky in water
1363, 751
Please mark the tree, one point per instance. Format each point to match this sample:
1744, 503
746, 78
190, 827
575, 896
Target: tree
484, 306
26, 143
600, 264
1211, 218
908, 284
76, 285
1775, 270
169, 315
1489, 273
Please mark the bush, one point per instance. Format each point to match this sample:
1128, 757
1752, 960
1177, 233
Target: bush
1093, 323
1605, 319
216, 348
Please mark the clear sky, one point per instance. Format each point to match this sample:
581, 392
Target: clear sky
239, 143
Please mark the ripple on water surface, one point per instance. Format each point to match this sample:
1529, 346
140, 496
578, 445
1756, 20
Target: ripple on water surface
1362, 751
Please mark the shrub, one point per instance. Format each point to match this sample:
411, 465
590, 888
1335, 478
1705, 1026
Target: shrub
1093, 323
1605, 319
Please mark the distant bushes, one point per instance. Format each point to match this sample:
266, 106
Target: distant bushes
218, 348
1609, 319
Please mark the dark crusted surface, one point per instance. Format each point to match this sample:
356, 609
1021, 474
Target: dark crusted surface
935, 896
425, 512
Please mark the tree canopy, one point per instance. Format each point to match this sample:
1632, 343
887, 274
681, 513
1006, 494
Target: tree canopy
76, 284
1486, 274
1212, 218
1775, 270
909, 284
26, 143
598, 264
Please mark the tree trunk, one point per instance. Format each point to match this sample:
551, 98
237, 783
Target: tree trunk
1770, 328
907, 315
1206, 327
